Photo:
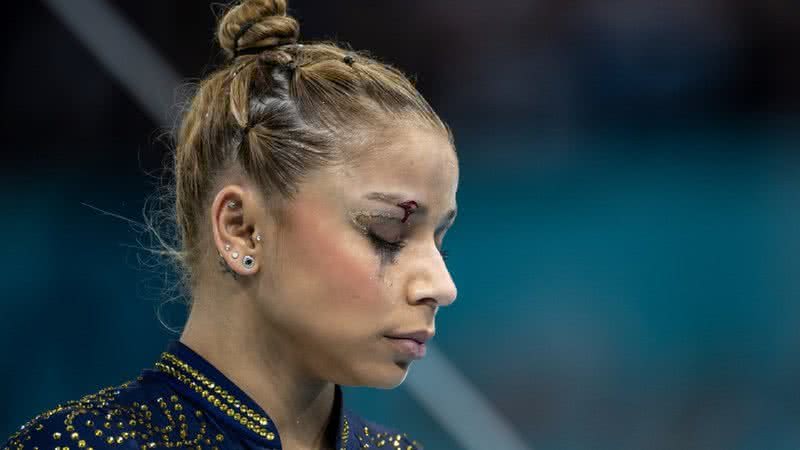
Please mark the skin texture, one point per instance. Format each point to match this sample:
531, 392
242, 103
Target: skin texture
317, 305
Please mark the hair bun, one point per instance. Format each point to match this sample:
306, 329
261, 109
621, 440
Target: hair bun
256, 23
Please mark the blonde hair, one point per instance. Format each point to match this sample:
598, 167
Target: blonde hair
276, 111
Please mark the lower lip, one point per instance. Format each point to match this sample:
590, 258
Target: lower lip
409, 347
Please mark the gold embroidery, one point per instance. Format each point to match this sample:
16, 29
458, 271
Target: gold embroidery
214, 394
387, 440
345, 433
134, 421
102, 404
221, 399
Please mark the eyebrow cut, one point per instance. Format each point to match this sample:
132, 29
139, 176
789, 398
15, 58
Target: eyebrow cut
394, 198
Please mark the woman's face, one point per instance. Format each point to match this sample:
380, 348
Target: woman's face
335, 292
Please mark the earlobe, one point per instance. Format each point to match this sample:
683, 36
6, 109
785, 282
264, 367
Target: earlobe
226, 268
233, 231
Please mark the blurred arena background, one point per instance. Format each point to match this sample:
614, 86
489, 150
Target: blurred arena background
628, 237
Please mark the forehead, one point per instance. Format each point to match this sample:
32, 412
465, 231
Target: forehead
415, 160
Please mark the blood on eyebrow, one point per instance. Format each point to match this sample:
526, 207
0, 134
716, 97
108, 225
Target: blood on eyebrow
409, 207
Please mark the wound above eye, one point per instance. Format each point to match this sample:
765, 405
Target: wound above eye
408, 207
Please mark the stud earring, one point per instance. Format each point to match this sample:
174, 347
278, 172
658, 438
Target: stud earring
248, 262
232, 204
235, 255
258, 238
227, 247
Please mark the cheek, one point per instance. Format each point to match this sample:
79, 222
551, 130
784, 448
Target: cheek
339, 271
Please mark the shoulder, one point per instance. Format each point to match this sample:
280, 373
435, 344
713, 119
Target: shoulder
77, 424
371, 434
127, 415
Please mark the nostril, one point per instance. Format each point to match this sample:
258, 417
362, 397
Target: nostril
430, 302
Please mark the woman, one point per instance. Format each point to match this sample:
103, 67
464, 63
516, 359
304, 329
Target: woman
313, 188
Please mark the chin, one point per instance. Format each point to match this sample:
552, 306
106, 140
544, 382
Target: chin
387, 377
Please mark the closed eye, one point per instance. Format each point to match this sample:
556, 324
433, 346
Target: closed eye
384, 245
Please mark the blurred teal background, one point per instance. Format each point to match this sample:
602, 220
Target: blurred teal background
626, 250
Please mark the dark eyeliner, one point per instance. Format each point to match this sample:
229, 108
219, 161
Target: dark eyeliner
384, 245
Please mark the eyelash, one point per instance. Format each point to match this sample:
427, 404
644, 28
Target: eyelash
394, 247
384, 245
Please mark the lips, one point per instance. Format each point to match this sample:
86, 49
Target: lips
419, 336
411, 344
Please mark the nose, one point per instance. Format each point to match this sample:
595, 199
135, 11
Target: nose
431, 280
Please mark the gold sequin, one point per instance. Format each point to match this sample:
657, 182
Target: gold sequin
345, 433
166, 433
212, 392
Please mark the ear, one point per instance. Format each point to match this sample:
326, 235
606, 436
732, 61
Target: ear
234, 213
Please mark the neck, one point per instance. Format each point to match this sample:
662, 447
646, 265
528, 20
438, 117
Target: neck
264, 366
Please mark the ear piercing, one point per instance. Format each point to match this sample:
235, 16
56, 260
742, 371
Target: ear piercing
248, 261
232, 204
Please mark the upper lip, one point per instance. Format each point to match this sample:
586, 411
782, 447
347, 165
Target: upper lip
420, 335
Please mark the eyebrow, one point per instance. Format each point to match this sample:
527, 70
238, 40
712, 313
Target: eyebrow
394, 198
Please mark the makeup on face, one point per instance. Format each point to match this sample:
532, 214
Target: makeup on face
363, 219
390, 239
410, 207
